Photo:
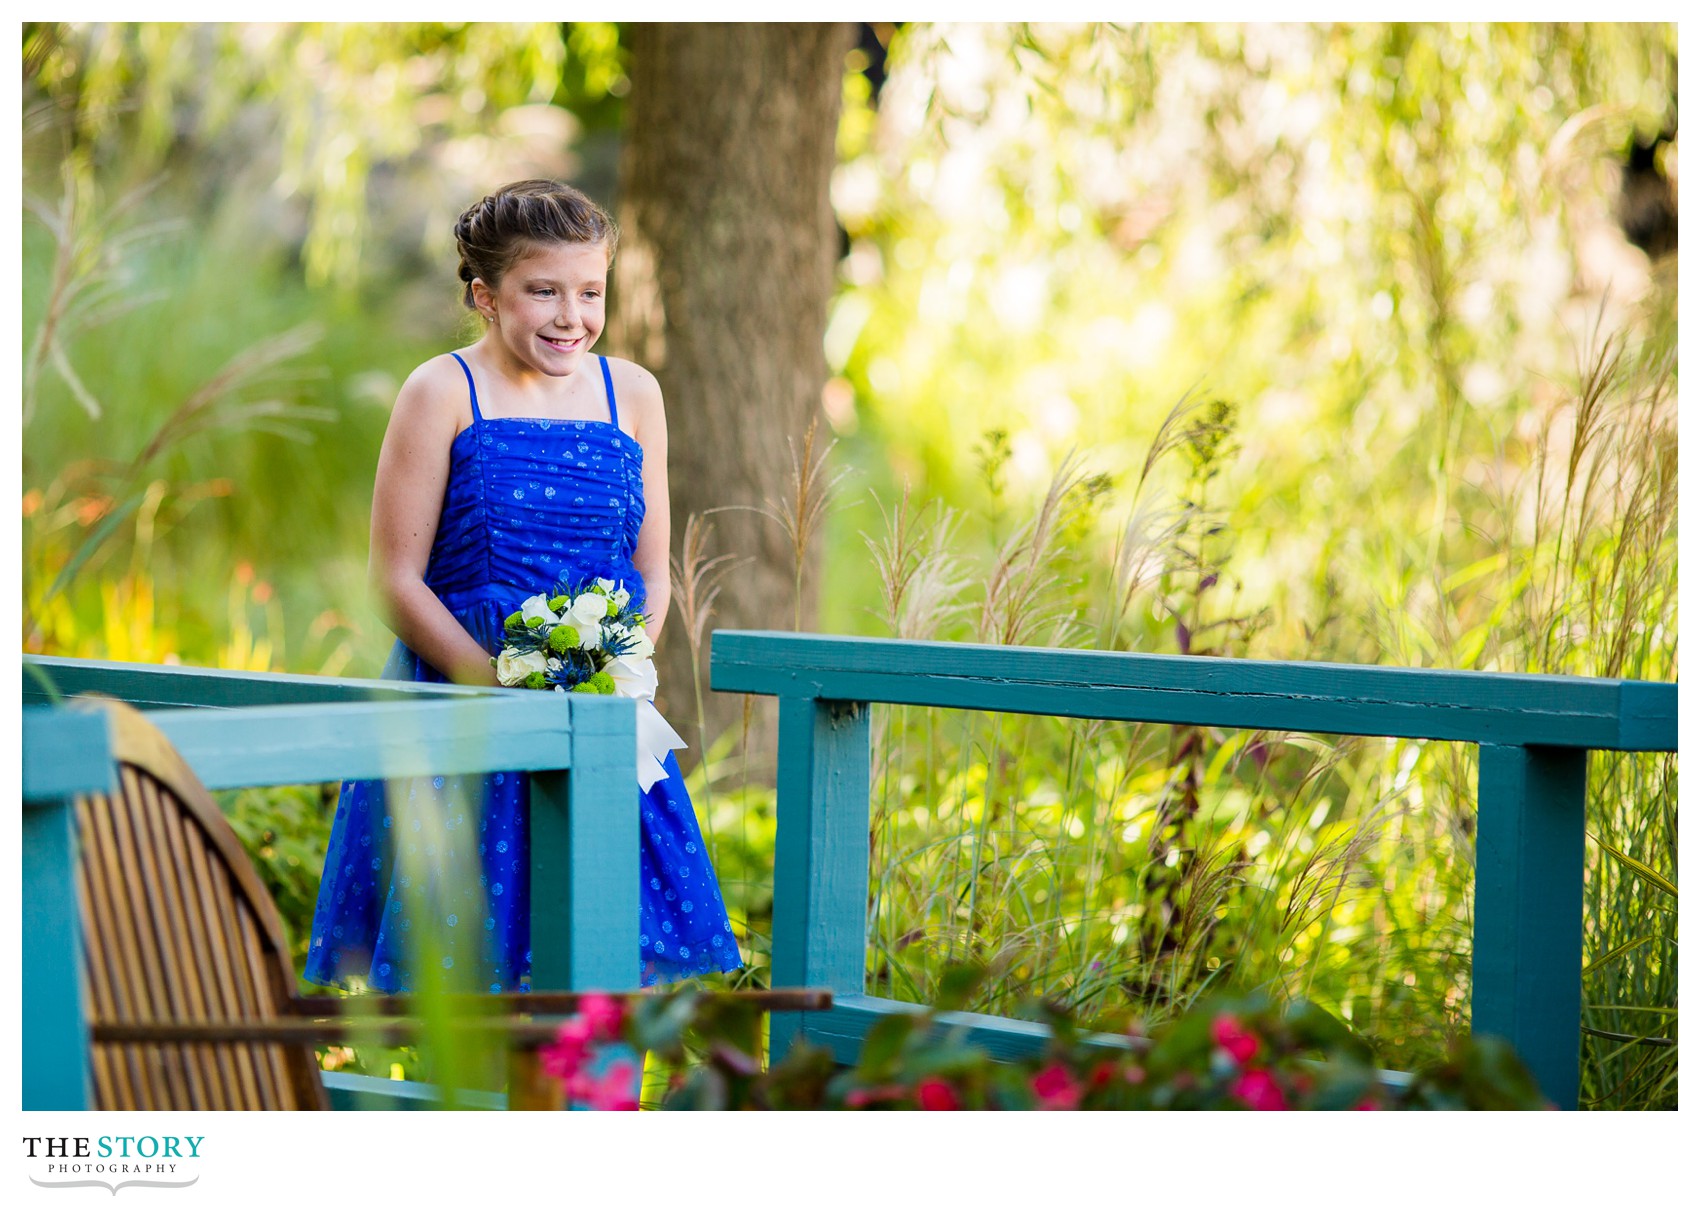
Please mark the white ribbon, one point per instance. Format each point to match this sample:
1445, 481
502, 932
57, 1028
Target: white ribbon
634, 677
655, 739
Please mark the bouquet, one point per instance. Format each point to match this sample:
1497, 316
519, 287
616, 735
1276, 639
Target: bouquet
588, 638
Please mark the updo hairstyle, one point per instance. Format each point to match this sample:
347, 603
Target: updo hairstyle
494, 233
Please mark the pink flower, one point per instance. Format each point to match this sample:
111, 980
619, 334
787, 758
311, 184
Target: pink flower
605, 1015
1233, 1039
566, 1056
936, 1094
1257, 1089
615, 1089
1056, 1088
1368, 1104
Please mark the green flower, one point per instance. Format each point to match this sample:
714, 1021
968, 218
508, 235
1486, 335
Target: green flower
558, 602
534, 621
513, 620
536, 681
562, 639
603, 681
612, 609
586, 688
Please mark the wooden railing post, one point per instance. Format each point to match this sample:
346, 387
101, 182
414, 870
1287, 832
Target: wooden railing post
65, 754
1526, 982
820, 858
56, 1054
584, 822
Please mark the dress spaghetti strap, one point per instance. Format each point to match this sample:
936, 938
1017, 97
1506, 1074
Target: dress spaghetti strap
608, 382
472, 387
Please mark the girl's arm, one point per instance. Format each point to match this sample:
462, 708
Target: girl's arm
407, 501
649, 427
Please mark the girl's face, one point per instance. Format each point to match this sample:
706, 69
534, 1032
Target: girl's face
550, 306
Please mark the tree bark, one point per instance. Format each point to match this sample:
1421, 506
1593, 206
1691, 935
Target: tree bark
721, 286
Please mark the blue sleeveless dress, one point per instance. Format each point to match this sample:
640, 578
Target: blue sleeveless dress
528, 500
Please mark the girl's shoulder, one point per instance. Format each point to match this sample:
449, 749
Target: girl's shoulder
436, 392
630, 379
638, 393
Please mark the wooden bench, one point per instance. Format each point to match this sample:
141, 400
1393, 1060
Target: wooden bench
249, 730
1534, 734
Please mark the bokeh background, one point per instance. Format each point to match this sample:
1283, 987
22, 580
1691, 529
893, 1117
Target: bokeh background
1296, 342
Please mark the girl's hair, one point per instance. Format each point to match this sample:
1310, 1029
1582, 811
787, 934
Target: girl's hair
497, 231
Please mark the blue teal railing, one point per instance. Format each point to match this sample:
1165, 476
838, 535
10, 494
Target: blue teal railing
1534, 734
253, 730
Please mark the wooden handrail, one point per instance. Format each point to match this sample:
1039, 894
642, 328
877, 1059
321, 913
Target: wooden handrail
403, 1027
1534, 733
551, 1002
1223, 692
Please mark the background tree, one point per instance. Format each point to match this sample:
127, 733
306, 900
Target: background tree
725, 273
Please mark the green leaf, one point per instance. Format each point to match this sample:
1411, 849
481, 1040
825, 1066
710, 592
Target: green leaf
1617, 951
85, 551
957, 986
884, 1042
1637, 867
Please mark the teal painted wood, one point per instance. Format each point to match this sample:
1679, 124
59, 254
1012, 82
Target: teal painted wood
55, 1026
1353, 700
1534, 733
842, 1029
147, 687
584, 854
65, 753
1526, 980
357, 1092
820, 860
267, 746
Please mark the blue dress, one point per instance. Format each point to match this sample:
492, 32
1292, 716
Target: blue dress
528, 500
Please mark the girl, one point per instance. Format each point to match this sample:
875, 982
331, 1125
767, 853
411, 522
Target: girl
518, 460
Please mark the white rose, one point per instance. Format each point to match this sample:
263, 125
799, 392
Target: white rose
512, 667
588, 609
537, 607
605, 585
633, 678
621, 596
643, 646
589, 636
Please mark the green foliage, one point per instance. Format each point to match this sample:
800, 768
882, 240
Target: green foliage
1225, 1055
285, 830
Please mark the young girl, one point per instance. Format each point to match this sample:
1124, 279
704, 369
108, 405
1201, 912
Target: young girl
514, 462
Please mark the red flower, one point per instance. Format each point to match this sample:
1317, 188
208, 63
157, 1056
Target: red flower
1056, 1088
936, 1094
604, 1015
1103, 1073
1234, 1039
1257, 1089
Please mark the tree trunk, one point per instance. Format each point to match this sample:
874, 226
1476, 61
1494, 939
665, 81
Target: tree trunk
721, 287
